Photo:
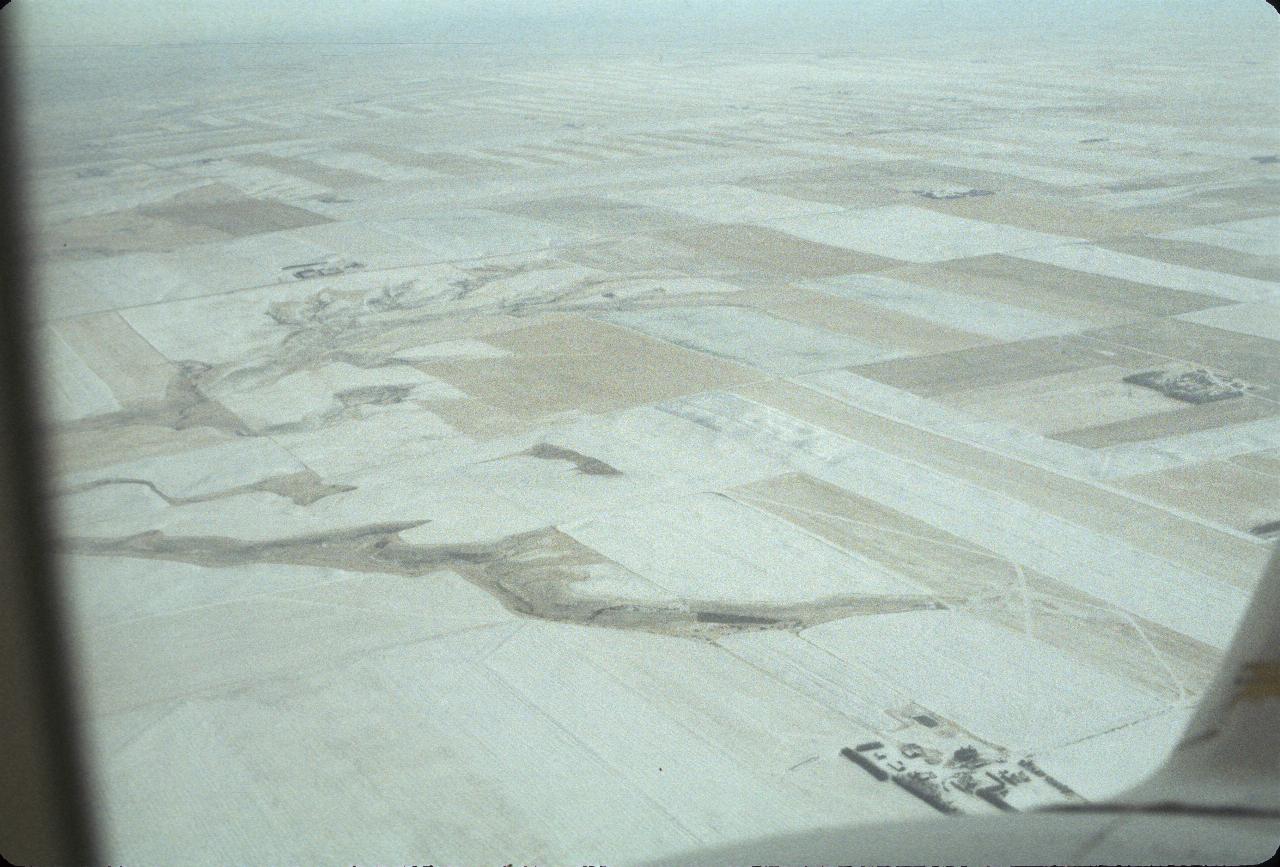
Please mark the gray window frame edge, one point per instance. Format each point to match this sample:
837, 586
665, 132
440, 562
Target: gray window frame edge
45, 813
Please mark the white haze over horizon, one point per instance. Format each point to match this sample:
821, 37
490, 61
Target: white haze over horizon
584, 23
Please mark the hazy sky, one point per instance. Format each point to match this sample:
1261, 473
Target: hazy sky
167, 21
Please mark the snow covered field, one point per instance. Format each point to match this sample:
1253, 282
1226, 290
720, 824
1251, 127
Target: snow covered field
469, 456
